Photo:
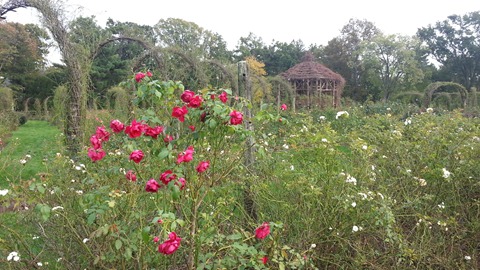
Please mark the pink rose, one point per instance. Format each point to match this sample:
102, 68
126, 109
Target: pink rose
102, 134
180, 113
149, 74
156, 239
283, 107
116, 126
96, 154
187, 95
152, 186
130, 175
236, 118
135, 129
181, 183
96, 143
153, 132
203, 166
136, 156
186, 156
139, 76
171, 245
223, 97
262, 231
167, 176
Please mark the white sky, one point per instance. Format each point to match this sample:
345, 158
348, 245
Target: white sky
314, 22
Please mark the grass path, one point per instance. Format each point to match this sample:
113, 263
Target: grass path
38, 139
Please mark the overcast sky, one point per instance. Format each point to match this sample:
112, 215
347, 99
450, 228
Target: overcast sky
313, 22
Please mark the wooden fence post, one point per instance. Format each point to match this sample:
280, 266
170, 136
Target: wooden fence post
245, 90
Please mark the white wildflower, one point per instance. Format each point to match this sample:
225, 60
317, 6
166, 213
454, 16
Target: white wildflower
381, 195
28, 156
342, 114
23, 161
79, 192
364, 147
3, 192
292, 168
355, 228
78, 168
39, 264
389, 109
13, 256
322, 118
441, 206
285, 146
57, 208
467, 258
429, 110
422, 182
85, 240
364, 196
324, 140
354, 204
408, 121
351, 179
312, 246
446, 174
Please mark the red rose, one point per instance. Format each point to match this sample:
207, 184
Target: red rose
264, 259
186, 156
195, 102
171, 245
187, 95
152, 186
180, 113
236, 118
167, 176
135, 129
96, 143
168, 138
192, 128
102, 134
116, 126
283, 107
95, 155
153, 132
223, 97
262, 231
149, 74
203, 166
136, 156
139, 76
130, 175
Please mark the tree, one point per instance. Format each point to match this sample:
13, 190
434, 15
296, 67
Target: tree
251, 45
280, 56
343, 55
391, 60
455, 44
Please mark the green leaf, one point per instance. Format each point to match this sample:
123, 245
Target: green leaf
164, 153
91, 218
234, 236
146, 234
118, 244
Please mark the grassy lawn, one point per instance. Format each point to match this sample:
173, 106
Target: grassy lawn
39, 140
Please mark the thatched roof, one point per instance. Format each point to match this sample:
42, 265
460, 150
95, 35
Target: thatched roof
310, 69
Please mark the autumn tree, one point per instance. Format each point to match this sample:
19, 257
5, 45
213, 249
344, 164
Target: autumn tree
261, 89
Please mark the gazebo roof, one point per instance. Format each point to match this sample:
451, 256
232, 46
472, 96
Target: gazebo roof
310, 69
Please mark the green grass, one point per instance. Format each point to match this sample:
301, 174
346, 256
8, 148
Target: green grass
40, 140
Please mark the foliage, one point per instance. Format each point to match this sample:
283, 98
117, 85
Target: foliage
392, 62
453, 43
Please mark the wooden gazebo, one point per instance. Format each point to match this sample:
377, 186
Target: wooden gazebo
311, 81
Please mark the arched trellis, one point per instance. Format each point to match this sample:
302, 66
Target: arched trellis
45, 106
226, 72
284, 86
418, 96
433, 87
